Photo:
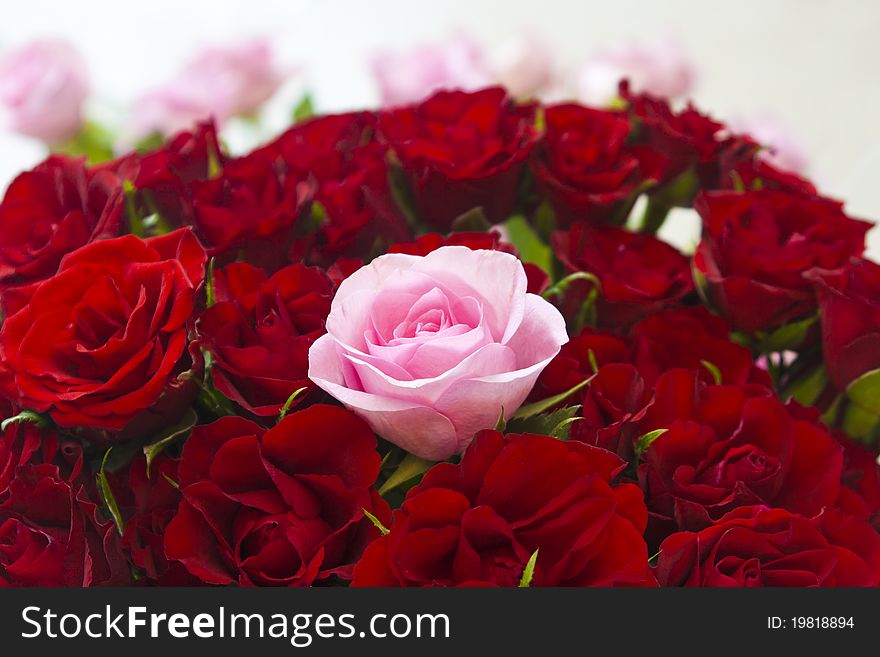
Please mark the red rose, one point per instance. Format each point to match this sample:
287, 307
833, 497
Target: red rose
24, 443
283, 507
103, 344
742, 168
251, 207
51, 210
757, 245
478, 522
462, 150
573, 363
148, 501
690, 338
638, 274
346, 161
259, 332
51, 534
679, 139
849, 309
584, 166
537, 279
164, 177
759, 546
728, 446
860, 482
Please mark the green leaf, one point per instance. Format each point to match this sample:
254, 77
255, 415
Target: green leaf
180, 429
529, 571
545, 221
787, 337
93, 140
402, 194
543, 405
410, 467
501, 424
560, 288
865, 391
209, 284
713, 370
25, 416
474, 220
304, 109
290, 400
107, 495
170, 481
806, 389
135, 221
543, 423
378, 523
528, 244
594, 364
644, 442
860, 423
562, 429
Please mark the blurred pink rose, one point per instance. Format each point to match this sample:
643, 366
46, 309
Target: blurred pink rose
408, 76
429, 349
220, 82
783, 150
524, 65
43, 86
660, 67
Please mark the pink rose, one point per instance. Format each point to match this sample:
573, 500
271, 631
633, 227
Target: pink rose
408, 76
42, 88
660, 67
429, 349
220, 82
524, 66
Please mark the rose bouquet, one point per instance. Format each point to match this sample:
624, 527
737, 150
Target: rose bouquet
439, 344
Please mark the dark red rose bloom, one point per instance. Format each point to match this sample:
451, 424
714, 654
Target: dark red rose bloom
757, 245
849, 310
860, 489
680, 139
103, 344
423, 245
572, 364
348, 164
277, 507
148, 501
163, 177
24, 443
690, 338
760, 546
462, 150
51, 210
743, 168
728, 446
584, 165
259, 332
250, 207
51, 534
639, 274
478, 522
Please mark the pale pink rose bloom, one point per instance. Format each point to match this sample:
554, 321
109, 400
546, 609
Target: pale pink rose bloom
660, 67
220, 82
428, 350
408, 76
43, 86
524, 65
783, 150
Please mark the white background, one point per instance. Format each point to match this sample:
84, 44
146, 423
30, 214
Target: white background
814, 64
